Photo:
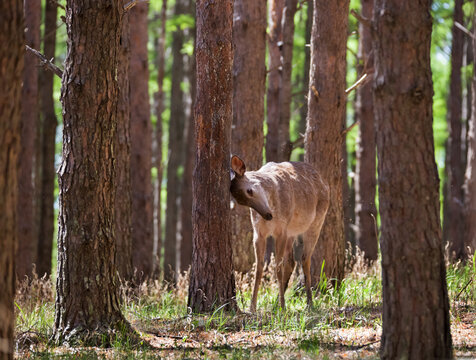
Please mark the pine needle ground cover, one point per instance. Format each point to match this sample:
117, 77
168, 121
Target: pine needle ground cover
345, 322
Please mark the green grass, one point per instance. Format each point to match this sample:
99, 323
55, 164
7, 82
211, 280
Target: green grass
461, 282
161, 313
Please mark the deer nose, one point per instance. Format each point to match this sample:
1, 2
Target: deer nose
268, 216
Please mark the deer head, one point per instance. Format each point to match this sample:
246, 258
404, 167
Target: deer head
248, 190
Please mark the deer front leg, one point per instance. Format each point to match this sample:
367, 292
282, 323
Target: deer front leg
260, 245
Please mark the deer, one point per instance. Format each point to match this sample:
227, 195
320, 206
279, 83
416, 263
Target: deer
286, 200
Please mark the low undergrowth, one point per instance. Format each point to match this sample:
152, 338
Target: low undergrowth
344, 321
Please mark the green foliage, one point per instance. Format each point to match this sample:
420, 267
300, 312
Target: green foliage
181, 21
440, 66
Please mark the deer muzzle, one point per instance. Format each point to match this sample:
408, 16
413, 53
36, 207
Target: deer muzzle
264, 212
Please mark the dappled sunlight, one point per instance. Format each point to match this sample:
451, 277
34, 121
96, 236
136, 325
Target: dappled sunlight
345, 321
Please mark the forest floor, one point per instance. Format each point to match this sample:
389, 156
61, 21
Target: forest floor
345, 322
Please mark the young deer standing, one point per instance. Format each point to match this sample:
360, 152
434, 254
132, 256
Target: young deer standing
286, 199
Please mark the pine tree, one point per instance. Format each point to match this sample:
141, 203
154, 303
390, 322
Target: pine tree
416, 323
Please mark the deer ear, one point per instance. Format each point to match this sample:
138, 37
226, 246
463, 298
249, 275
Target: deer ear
238, 165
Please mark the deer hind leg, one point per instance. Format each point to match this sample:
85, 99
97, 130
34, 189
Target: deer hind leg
306, 269
281, 241
288, 262
260, 246
310, 240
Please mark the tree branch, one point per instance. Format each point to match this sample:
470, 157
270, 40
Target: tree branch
463, 29
350, 128
357, 83
133, 3
352, 52
55, 2
47, 64
360, 18
289, 146
300, 4
298, 142
314, 90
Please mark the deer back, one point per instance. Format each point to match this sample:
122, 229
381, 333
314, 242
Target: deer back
292, 190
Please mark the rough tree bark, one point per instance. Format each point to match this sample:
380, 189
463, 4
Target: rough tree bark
141, 145
187, 196
365, 179
467, 100
190, 152
307, 64
249, 76
274, 79
160, 99
27, 239
453, 224
416, 322
212, 282
87, 300
323, 141
176, 127
348, 196
123, 189
46, 220
470, 174
11, 68
285, 146
281, 39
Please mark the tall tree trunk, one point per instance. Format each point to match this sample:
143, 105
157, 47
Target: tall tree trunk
46, 219
190, 152
416, 322
348, 197
278, 147
160, 99
123, 161
285, 146
141, 145
11, 68
365, 180
249, 75
323, 142
212, 282
470, 175
454, 224
87, 297
307, 64
176, 126
274, 79
187, 196
466, 103
27, 241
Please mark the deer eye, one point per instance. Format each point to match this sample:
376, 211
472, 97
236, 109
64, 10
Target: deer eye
250, 192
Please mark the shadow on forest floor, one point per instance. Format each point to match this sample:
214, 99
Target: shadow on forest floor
202, 336
249, 336
345, 322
